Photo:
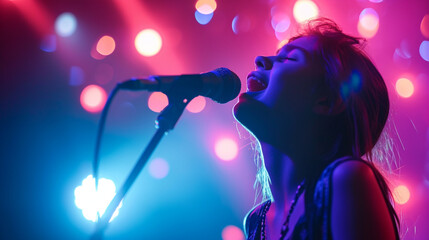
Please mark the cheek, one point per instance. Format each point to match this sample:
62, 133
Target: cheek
290, 91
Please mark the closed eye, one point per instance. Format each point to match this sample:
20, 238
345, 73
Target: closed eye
282, 59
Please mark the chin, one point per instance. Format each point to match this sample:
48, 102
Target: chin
255, 116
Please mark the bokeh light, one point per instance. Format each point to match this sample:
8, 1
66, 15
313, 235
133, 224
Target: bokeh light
49, 43
280, 22
424, 26
240, 24
402, 53
226, 149
196, 105
368, 23
66, 24
404, 87
106, 45
95, 54
93, 202
203, 19
148, 42
401, 194
424, 50
77, 76
304, 10
157, 101
232, 232
159, 168
206, 6
93, 98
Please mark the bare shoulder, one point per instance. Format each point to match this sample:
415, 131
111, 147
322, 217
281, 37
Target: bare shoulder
350, 172
359, 210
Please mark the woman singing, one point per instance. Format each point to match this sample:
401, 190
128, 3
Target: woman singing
317, 108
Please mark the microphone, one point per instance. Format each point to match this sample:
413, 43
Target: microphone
221, 85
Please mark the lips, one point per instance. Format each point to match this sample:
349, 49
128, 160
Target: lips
255, 83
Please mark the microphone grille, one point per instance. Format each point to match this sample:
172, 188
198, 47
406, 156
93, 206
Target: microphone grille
231, 85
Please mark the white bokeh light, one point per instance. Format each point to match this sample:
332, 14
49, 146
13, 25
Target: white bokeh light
148, 42
66, 24
93, 202
304, 10
226, 149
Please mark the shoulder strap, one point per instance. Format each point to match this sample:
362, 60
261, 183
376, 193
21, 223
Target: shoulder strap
320, 221
320, 203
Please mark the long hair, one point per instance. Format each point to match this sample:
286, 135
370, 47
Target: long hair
351, 77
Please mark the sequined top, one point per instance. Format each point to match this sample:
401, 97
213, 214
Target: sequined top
309, 226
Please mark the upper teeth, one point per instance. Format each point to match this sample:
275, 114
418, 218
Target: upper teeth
259, 81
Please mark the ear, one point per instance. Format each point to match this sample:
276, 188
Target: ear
324, 107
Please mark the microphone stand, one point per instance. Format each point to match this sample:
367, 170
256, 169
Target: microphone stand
165, 122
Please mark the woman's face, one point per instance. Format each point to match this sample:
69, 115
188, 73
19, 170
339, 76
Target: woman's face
281, 91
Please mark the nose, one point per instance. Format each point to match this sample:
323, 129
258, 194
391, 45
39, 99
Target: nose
265, 63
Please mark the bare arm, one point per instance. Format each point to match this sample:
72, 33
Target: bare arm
359, 210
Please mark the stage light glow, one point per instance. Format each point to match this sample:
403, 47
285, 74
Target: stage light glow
203, 19
424, 50
157, 101
280, 22
226, 149
368, 23
93, 98
93, 202
401, 194
232, 232
206, 6
106, 45
76, 76
404, 87
66, 24
304, 10
424, 26
376, 1
49, 43
159, 168
240, 24
148, 42
196, 105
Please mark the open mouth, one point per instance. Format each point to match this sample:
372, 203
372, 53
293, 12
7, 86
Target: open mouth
255, 84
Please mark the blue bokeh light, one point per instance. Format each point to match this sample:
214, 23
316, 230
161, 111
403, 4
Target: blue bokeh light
76, 76
241, 24
424, 50
203, 19
234, 24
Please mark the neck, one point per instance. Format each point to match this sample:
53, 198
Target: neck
285, 174
287, 171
